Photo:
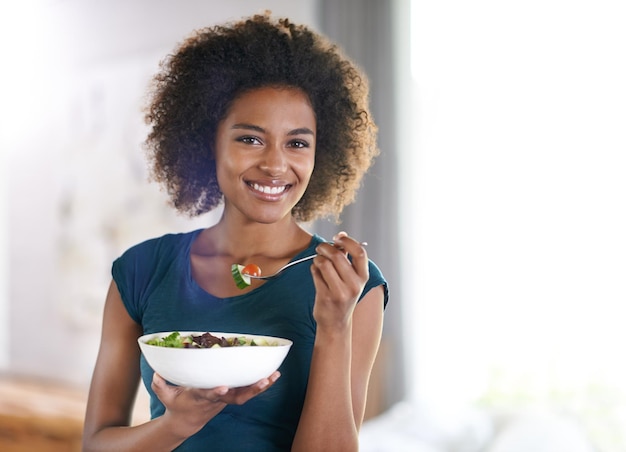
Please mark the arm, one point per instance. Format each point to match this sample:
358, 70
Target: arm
336, 394
114, 387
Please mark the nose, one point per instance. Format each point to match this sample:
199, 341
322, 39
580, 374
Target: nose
274, 160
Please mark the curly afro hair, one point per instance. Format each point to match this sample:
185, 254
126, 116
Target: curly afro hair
196, 85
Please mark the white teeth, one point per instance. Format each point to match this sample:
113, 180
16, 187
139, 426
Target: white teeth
269, 190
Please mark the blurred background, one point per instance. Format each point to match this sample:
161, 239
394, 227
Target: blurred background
497, 208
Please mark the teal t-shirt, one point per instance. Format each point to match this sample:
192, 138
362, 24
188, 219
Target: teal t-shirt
156, 286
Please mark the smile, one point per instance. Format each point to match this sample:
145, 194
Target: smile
275, 190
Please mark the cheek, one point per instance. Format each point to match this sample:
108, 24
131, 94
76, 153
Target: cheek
311, 167
309, 173
303, 173
223, 160
306, 166
221, 177
223, 172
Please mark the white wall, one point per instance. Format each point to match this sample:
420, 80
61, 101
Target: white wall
75, 189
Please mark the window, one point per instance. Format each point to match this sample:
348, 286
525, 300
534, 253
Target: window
518, 180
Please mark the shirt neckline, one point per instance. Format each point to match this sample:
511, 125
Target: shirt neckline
315, 240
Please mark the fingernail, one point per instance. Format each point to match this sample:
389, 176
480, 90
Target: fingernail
222, 390
263, 383
337, 236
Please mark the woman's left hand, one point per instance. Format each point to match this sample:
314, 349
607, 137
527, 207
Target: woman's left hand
338, 280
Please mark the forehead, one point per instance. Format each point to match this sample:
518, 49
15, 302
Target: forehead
267, 104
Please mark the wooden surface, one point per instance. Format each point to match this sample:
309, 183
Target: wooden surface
47, 416
40, 416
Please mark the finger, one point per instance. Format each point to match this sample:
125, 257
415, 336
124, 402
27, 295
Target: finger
265, 383
355, 249
333, 263
335, 283
334, 260
342, 244
318, 279
340, 235
162, 390
219, 392
213, 395
342, 277
274, 377
239, 396
159, 382
333, 275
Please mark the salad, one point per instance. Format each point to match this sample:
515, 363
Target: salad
206, 340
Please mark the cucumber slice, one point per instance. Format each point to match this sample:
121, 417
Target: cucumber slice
242, 281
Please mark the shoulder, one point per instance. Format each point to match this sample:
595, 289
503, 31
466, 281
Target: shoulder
147, 256
164, 244
139, 270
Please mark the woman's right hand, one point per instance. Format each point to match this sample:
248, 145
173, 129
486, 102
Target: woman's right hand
189, 409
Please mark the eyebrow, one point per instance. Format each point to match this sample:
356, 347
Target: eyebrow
298, 131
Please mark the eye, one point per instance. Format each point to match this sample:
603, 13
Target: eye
248, 139
299, 144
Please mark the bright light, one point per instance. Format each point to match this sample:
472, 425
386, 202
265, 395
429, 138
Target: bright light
30, 62
520, 195
17, 22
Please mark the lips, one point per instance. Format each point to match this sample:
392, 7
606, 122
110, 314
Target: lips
269, 189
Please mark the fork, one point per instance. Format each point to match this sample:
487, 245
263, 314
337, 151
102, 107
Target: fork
291, 264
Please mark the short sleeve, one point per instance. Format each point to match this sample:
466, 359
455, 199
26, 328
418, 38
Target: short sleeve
376, 279
124, 272
140, 269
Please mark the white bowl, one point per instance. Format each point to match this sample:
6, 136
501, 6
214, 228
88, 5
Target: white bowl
219, 366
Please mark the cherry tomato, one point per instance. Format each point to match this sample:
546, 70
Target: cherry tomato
251, 270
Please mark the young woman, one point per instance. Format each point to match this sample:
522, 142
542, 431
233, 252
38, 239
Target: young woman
271, 120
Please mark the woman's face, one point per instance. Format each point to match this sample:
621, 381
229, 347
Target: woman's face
265, 152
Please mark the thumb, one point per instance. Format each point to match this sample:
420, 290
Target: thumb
161, 388
157, 380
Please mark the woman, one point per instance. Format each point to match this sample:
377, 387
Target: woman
269, 119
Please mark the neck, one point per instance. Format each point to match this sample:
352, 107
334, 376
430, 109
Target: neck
242, 240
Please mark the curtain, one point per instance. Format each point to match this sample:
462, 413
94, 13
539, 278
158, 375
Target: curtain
363, 28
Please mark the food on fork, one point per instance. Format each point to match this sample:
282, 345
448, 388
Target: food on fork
241, 274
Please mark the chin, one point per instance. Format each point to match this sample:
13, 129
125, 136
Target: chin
270, 217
